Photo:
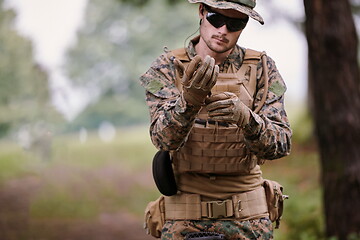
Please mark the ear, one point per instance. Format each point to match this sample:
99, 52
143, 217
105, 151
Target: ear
201, 10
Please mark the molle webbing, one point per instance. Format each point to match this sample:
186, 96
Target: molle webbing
216, 148
242, 206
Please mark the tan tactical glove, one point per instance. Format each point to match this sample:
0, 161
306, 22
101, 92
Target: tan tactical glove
227, 107
197, 79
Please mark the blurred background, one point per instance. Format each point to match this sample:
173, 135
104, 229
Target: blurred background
75, 152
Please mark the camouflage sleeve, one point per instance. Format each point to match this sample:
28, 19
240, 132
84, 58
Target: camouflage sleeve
268, 134
171, 118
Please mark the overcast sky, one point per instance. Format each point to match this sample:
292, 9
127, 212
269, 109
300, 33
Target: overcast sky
51, 24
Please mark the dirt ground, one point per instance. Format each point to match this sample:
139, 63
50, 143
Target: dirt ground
16, 224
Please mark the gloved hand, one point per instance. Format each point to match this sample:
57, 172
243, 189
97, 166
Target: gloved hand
197, 79
227, 107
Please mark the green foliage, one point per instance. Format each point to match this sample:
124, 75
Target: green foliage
308, 216
351, 236
115, 46
111, 108
131, 147
299, 174
87, 179
4, 128
303, 127
24, 93
55, 203
13, 162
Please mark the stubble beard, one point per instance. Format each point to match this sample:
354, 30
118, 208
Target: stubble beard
213, 46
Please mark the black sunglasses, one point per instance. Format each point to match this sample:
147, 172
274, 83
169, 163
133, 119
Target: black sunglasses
218, 20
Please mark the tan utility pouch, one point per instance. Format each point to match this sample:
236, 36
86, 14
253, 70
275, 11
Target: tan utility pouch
275, 199
155, 217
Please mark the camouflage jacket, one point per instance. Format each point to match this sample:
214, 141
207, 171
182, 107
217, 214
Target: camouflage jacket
268, 134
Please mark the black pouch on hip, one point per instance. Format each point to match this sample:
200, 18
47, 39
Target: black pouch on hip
163, 173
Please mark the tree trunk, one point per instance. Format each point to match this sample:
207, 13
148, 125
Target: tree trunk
334, 81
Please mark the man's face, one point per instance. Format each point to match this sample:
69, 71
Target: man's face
220, 39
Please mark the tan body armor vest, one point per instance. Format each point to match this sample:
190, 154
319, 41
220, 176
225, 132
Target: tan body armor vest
219, 147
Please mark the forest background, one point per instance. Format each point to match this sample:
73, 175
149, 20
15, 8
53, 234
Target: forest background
89, 176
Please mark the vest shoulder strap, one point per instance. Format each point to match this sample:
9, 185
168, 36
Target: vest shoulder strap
179, 53
252, 56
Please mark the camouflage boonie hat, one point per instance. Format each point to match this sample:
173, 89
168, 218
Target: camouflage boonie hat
243, 6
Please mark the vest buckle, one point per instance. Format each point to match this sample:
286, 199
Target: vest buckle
220, 209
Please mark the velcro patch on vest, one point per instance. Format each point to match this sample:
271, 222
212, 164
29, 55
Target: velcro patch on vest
154, 86
277, 88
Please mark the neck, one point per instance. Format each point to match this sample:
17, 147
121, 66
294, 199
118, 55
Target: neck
202, 50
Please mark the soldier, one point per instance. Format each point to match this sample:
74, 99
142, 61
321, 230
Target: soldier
218, 108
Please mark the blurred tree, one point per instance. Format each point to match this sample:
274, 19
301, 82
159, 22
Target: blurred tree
111, 107
24, 93
334, 81
115, 46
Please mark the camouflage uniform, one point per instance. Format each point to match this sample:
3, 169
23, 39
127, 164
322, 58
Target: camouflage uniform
259, 229
267, 135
